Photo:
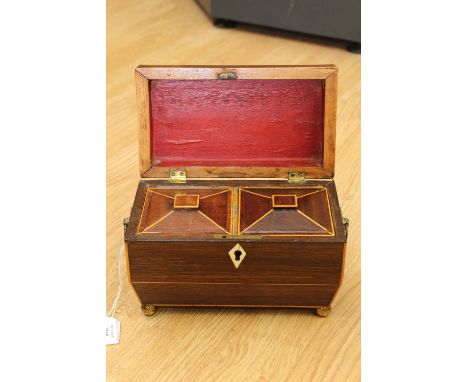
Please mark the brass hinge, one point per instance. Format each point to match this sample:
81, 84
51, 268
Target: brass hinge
177, 176
296, 177
227, 76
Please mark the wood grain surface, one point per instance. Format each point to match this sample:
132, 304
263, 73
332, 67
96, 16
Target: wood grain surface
270, 96
255, 119
209, 213
224, 344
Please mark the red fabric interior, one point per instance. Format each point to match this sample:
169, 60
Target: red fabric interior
269, 123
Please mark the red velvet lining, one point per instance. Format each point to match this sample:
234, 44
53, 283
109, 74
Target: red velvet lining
269, 123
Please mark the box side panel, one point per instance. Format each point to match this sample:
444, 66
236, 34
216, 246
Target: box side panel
235, 294
264, 263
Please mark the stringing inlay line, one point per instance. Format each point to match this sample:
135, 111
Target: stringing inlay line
250, 192
330, 213
313, 221
214, 222
217, 193
311, 193
256, 221
238, 212
143, 211
156, 222
298, 234
167, 196
234, 207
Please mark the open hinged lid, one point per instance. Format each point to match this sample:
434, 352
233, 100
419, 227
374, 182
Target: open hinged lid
237, 122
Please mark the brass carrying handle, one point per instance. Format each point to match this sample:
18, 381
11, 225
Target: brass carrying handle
346, 225
125, 223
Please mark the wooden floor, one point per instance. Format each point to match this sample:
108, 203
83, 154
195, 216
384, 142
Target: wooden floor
185, 344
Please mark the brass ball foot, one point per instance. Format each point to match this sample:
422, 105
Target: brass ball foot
323, 311
149, 310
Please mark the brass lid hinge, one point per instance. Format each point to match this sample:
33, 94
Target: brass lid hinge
296, 177
177, 176
227, 76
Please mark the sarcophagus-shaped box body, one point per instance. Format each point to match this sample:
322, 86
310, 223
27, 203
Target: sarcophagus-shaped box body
237, 205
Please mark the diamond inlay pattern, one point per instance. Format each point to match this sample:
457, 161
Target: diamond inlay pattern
212, 216
312, 216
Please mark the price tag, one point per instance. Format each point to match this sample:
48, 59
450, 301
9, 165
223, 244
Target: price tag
112, 331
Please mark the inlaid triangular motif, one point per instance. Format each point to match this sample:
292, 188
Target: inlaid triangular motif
262, 205
157, 207
212, 215
184, 221
293, 222
312, 215
222, 201
315, 207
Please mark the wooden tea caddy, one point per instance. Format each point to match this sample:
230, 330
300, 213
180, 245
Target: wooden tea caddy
236, 205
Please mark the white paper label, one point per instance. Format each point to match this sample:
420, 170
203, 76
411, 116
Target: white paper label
112, 331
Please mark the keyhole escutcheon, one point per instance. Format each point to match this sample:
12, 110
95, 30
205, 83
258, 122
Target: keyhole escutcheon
237, 255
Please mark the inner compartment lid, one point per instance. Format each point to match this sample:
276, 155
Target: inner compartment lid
253, 122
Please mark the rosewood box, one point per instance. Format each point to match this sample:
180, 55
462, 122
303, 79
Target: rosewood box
236, 205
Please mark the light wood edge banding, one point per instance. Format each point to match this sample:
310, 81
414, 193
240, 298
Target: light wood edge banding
191, 206
156, 192
129, 276
144, 131
234, 210
217, 225
343, 263
285, 72
284, 205
217, 193
330, 213
329, 123
311, 193
255, 193
240, 306
143, 210
229, 283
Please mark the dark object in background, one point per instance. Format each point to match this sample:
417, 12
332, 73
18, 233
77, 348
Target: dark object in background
338, 19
